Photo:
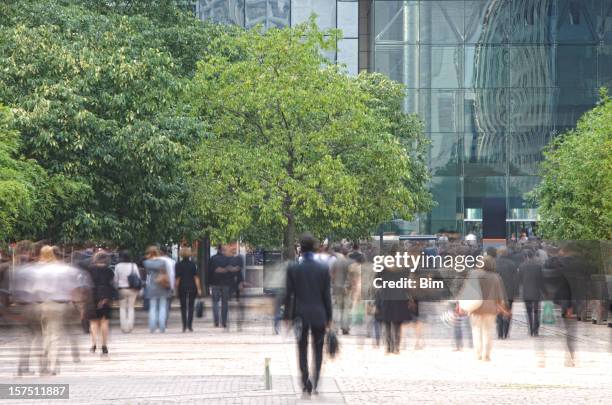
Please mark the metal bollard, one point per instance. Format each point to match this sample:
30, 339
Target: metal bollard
267, 374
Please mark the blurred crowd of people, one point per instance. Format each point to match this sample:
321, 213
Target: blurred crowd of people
327, 290
50, 294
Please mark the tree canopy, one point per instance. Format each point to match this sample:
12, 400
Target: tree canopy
575, 195
95, 88
296, 144
23, 186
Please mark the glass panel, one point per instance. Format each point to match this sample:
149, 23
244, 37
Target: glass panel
605, 69
532, 109
531, 21
390, 61
441, 110
444, 155
486, 22
222, 11
348, 18
441, 22
278, 13
486, 110
486, 66
477, 188
525, 152
441, 67
446, 215
348, 53
484, 154
256, 12
606, 30
577, 66
396, 21
576, 21
531, 66
572, 104
517, 188
324, 9
411, 102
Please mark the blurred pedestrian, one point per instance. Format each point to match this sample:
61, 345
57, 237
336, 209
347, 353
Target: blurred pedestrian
157, 289
125, 269
341, 289
507, 270
532, 282
103, 292
393, 307
308, 300
493, 302
236, 268
222, 279
171, 271
188, 287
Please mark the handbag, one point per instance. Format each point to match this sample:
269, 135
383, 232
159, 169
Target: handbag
333, 345
163, 280
470, 297
199, 308
134, 280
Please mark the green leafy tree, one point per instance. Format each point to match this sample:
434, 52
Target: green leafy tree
22, 183
296, 144
95, 88
575, 195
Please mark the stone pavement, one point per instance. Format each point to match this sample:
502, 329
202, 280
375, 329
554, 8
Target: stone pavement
216, 367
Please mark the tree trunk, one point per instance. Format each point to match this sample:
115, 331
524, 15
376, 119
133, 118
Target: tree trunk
289, 239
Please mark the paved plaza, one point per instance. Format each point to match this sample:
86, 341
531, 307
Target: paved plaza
213, 366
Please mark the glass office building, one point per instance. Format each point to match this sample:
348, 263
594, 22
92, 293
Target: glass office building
493, 80
342, 14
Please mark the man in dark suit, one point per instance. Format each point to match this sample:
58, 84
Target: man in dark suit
308, 305
532, 280
507, 270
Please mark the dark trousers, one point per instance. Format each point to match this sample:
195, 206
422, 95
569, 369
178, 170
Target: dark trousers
318, 338
503, 324
187, 299
220, 293
393, 336
533, 316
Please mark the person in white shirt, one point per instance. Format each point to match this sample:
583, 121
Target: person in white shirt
127, 295
170, 269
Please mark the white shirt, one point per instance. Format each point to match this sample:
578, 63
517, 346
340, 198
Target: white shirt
122, 272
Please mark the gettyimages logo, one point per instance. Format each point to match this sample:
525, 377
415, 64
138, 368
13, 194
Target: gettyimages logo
410, 262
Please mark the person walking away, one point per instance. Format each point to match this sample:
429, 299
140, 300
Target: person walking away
532, 282
221, 284
394, 307
308, 300
127, 295
171, 271
157, 289
103, 292
493, 302
507, 270
188, 286
236, 268
341, 290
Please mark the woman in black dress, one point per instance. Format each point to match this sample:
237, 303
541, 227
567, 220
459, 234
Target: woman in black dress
188, 285
103, 292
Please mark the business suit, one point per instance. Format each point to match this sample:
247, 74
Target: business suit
532, 280
507, 269
308, 304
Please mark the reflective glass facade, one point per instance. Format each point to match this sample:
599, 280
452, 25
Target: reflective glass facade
342, 14
494, 81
